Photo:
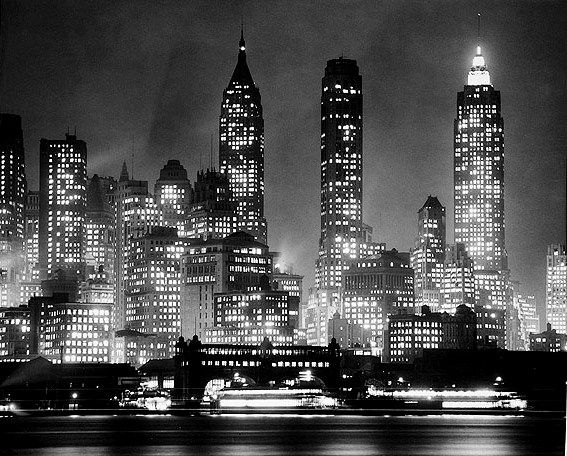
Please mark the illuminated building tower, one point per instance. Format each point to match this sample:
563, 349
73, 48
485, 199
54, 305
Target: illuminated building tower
458, 285
100, 226
12, 202
173, 194
152, 292
12, 181
136, 215
235, 263
62, 205
31, 236
528, 314
342, 230
241, 147
428, 256
376, 288
212, 214
479, 170
556, 288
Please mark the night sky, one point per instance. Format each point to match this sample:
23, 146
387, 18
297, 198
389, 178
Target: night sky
150, 75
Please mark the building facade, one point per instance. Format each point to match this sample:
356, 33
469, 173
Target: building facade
15, 334
428, 255
152, 289
247, 317
556, 287
235, 263
212, 213
173, 194
62, 205
458, 285
376, 288
241, 147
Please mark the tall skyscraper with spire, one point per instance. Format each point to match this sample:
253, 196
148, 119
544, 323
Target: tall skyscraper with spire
241, 146
479, 170
479, 183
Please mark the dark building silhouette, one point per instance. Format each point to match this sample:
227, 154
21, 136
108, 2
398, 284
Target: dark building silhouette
241, 146
212, 213
12, 182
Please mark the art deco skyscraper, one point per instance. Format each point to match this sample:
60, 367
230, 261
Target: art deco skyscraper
428, 256
341, 171
556, 288
62, 205
241, 146
479, 170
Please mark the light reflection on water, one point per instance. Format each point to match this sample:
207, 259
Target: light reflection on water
257, 435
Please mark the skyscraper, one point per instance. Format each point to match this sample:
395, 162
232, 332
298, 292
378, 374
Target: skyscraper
458, 286
556, 287
136, 215
241, 146
100, 226
479, 181
62, 205
12, 181
173, 194
212, 214
428, 256
12, 203
341, 171
479, 170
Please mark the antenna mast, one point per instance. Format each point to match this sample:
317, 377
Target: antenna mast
211, 152
478, 29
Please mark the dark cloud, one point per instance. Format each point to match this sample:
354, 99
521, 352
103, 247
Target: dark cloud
152, 74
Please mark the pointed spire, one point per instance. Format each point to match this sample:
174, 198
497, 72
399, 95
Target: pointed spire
241, 73
242, 43
478, 75
124, 173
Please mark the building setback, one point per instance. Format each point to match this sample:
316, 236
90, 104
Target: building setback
241, 147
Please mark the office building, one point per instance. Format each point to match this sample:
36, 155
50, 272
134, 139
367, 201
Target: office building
548, 341
247, 317
212, 213
31, 237
409, 334
236, 263
71, 332
458, 285
428, 254
15, 334
62, 205
556, 287
376, 288
347, 334
490, 327
136, 215
241, 147
100, 226
173, 194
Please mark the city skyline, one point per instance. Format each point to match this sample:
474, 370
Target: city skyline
388, 215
